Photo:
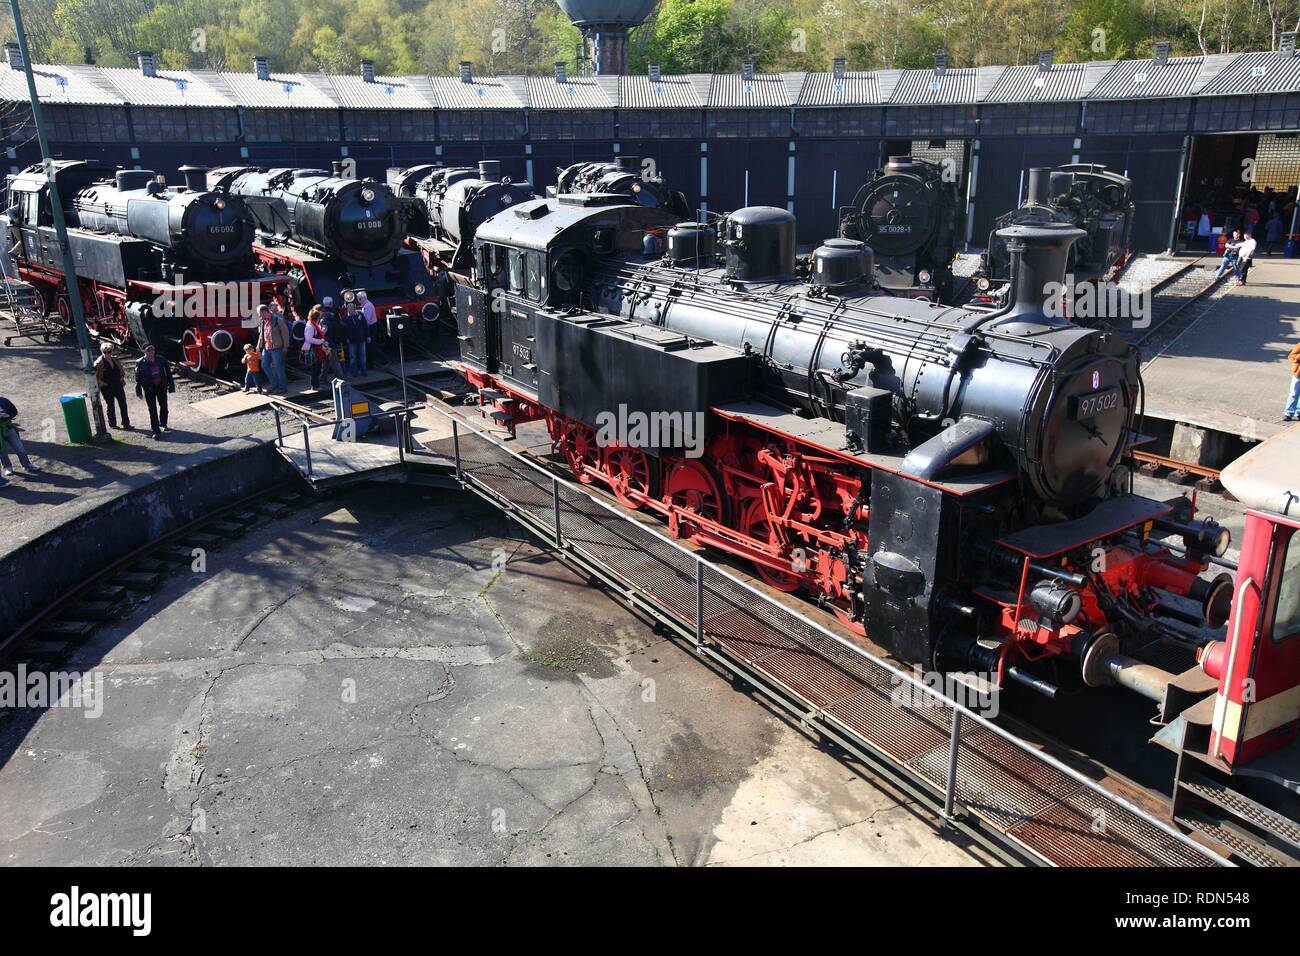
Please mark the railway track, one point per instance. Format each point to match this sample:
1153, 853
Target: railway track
48, 636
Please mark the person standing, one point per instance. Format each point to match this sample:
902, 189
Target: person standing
335, 338
354, 327
313, 346
111, 378
153, 380
273, 342
374, 331
1245, 258
10, 438
1292, 413
1272, 232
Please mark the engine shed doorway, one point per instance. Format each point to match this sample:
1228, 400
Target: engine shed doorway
1239, 181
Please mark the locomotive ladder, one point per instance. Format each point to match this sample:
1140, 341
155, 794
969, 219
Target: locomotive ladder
1022, 805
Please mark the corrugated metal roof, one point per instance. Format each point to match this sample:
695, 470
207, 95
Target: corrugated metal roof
575, 93
385, 93
733, 91
168, 88
1139, 79
484, 93
923, 87
281, 91
1019, 84
54, 84
853, 89
670, 92
1264, 72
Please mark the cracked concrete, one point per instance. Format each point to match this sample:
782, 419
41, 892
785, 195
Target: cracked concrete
399, 678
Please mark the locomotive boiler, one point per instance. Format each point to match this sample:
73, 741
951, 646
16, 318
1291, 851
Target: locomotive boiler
628, 176
332, 235
908, 213
944, 480
1084, 195
164, 264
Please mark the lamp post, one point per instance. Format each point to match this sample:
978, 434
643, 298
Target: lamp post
61, 232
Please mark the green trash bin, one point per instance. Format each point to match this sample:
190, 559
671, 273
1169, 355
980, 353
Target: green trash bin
76, 419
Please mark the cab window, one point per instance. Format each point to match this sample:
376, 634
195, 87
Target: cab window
516, 272
32, 208
1286, 617
534, 276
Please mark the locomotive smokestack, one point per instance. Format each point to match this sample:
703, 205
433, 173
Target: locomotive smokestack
629, 164
1040, 185
195, 178
489, 170
1038, 258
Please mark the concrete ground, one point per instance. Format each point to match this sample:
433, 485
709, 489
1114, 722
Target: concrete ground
77, 478
393, 676
1229, 371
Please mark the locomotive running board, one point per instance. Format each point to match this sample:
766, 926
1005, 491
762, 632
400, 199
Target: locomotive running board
1020, 804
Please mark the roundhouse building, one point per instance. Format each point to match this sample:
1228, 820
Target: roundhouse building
1183, 128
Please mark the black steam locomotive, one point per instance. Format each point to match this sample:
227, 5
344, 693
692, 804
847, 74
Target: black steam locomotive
332, 235
629, 176
944, 480
168, 265
1084, 195
908, 213
444, 205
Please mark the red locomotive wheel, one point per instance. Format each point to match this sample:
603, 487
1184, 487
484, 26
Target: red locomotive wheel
757, 527
64, 307
690, 485
578, 446
630, 470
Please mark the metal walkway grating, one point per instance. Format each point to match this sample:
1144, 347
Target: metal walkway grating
1022, 797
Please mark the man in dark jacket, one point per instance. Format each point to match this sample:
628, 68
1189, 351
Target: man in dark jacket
354, 325
335, 337
153, 380
111, 377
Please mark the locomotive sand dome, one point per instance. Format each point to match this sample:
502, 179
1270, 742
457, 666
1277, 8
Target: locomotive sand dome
907, 213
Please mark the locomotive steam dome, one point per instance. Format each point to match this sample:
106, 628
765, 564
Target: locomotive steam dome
759, 242
840, 263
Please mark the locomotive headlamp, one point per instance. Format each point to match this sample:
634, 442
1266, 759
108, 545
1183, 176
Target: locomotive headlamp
367, 195
419, 288
218, 203
349, 296
636, 187
924, 275
983, 284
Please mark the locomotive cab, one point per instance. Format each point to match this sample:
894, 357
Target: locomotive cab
1241, 740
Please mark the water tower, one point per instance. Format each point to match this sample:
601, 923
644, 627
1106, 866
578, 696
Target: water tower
604, 24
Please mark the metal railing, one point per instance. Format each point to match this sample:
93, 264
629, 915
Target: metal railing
401, 418
695, 618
